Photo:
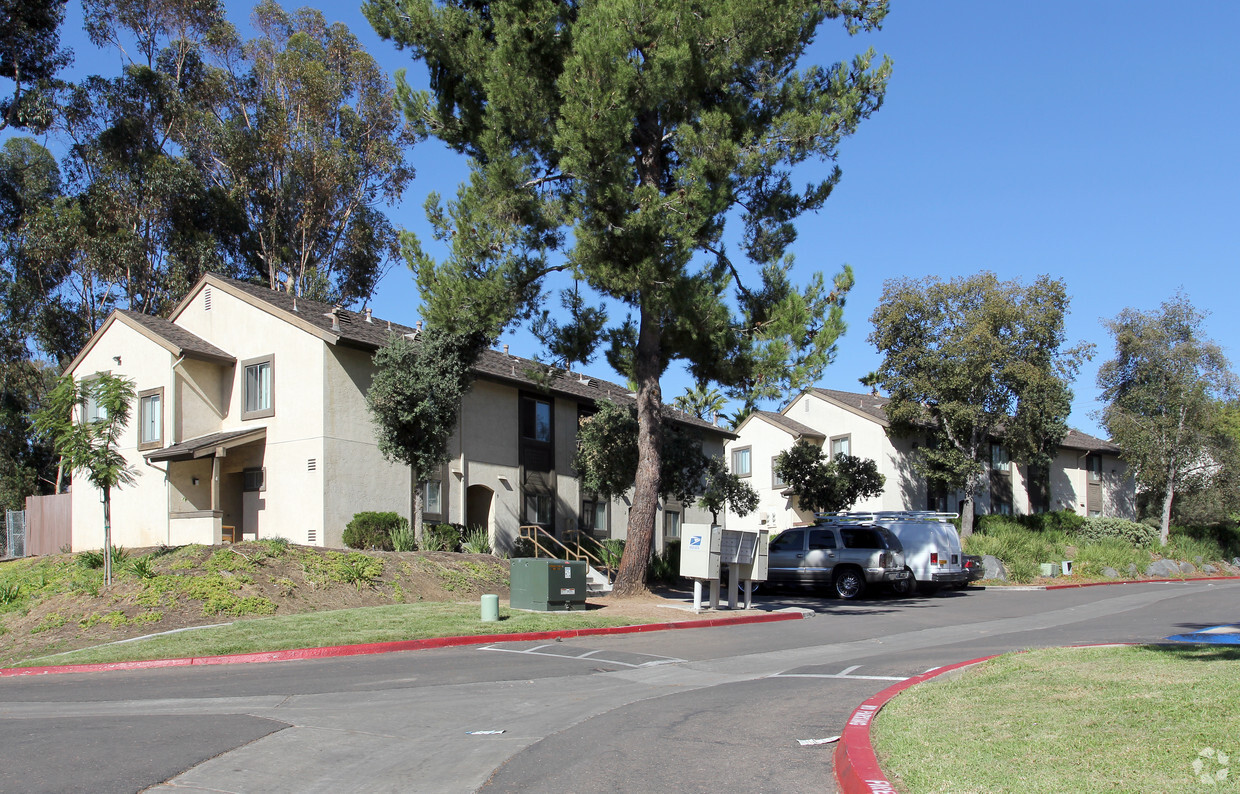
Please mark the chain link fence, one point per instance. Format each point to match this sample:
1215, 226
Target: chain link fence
13, 542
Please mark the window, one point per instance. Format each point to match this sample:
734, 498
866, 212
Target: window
594, 516
999, 460
254, 479
820, 539
740, 462
777, 482
150, 418
841, 445
792, 540
535, 419
93, 411
1095, 468
538, 509
671, 524
258, 388
432, 497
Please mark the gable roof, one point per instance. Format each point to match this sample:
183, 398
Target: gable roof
173, 338
364, 331
792, 426
871, 406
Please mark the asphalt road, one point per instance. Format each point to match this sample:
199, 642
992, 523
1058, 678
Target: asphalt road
679, 711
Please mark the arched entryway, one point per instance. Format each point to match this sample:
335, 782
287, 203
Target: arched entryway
478, 500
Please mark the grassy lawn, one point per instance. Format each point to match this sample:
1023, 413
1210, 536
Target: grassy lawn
1079, 720
337, 627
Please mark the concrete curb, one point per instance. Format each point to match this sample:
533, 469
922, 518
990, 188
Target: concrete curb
1143, 581
404, 645
856, 767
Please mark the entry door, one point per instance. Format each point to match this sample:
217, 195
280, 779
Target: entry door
1093, 485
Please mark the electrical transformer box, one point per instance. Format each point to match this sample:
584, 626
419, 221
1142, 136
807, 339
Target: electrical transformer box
546, 585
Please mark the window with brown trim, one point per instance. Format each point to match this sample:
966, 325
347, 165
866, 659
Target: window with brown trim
151, 418
258, 387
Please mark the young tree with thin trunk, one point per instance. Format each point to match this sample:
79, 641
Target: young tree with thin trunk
972, 361
614, 141
1164, 394
415, 399
90, 445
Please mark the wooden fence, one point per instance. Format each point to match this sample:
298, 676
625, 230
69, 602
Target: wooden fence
48, 522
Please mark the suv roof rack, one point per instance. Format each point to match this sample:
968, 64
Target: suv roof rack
889, 515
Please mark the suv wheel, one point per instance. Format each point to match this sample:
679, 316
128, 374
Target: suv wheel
903, 587
849, 583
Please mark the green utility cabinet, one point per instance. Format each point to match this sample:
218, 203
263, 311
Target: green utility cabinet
546, 585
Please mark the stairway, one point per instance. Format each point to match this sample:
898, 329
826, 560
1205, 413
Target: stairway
596, 582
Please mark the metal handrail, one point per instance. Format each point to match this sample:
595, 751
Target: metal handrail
533, 533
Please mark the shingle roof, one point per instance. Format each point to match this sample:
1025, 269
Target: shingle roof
791, 425
186, 343
188, 450
492, 364
872, 405
1078, 440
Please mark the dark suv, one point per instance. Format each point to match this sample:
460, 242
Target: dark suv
846, 557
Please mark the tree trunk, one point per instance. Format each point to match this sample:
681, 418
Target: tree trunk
1164, 532
107, 536
631, 580
417, 512
966, 516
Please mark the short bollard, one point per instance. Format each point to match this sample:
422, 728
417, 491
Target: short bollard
490, 608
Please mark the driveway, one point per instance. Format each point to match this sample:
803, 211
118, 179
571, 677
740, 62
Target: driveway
698, 710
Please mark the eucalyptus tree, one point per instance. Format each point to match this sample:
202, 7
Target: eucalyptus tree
614, 141
309, 145
1165, 396
30, 57
971, 361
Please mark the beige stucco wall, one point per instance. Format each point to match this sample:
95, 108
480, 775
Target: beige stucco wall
295, 453
139, 511
360, 478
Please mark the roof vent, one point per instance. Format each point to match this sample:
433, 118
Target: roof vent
368, 316
505, 350
335, 315
294, 303
206, 299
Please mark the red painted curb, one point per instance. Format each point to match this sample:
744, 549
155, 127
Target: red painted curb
1143, 581
856, 767
391, 647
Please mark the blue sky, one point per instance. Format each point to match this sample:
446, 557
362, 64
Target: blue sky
1092, 140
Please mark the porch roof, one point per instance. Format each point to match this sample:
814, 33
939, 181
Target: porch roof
207, 446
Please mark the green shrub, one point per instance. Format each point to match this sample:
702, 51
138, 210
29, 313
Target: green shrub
371, 530
92, 559
477, 542
522, 547
1099, 528
142, 569
610, 552
1209, 541
442, 537
665, 568
403, 538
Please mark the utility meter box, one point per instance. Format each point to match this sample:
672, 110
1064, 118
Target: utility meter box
699, 551
546, 585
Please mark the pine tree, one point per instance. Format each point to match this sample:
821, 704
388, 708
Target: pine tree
613, 141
